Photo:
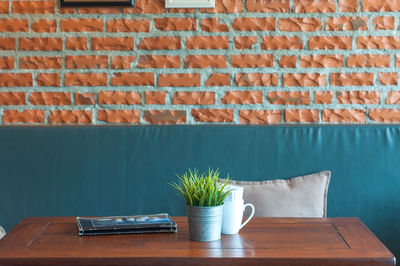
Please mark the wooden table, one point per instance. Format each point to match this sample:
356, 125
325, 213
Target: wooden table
272, 241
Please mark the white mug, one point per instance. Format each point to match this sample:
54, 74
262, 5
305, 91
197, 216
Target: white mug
233, 215
236, 193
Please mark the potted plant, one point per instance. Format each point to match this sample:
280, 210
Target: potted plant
204, 196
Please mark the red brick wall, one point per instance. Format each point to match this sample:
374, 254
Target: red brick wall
250, 61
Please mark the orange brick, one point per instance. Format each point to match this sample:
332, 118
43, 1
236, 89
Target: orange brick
213, 25
260, 116
48, 79
329, 42
179, 80
204, 61
245, 42
314, 6
268, 6
301, 115
304, 80
254, 24
77, 43
193, 97
118, 116
256, 79
86, 61
116, 43
218, 79
225, 6
181, 10
66, 10
258, 60
160, 43
383, 23
384, 115
397, 58
40, 62
119, 97
13, 25
358, 97
212, 115
27, 116
381, 5
128, 25
85, 79
323, 97
122, 62
133, 79
165, 116
287, 61
16, 80
175, 24
33, 7
40, 44
321, 61
368, 60
99, 10
378, 42
159, 61
289, 97
207, 42
242, 97
70, 117
393, 97
146, 7
281, 42
44, 25
4, 7
50, 98
80, 25
343, 115
84, 99
388, 78
352, 79
7, 43
346, 23
6, 62
155, 97
348, 5
299, 24
12, 98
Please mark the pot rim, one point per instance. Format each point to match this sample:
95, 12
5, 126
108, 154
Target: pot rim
204, 207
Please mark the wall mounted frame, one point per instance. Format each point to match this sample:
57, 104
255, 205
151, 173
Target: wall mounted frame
189, 3
96, 3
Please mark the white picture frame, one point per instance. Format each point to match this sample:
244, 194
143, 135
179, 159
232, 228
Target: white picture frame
189, 3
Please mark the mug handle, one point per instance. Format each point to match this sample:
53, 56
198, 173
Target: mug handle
251, 215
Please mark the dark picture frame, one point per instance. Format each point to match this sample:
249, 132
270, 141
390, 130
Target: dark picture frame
95, 3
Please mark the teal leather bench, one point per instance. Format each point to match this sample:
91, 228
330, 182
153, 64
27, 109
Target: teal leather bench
120, 170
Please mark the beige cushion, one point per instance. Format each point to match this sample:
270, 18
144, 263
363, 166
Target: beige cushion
303, 196
2, 232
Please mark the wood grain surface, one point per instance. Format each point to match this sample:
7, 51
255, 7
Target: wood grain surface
272, 241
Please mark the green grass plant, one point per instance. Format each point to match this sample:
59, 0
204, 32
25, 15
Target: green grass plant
203, 190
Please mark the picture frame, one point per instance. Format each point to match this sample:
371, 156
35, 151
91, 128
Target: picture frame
189, 3
96, 3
